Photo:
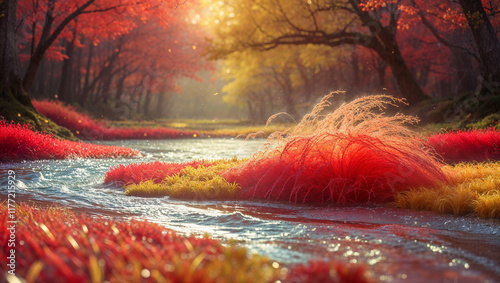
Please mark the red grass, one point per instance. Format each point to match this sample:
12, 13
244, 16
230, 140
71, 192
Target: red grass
81, 125
78, 248
355, 154
85, 127
466, 146
55, 245
335, 168
21, 143
156, 171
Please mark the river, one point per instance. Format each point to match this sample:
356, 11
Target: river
398, 245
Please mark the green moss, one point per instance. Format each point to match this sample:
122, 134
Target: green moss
16, 106
489, 121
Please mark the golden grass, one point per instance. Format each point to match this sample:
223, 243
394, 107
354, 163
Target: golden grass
191, 183
472, 188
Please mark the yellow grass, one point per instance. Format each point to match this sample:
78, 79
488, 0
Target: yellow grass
472, 188
191, 183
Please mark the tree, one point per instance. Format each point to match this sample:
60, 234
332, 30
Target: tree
14, 101
264, 25
58, 14
485, 37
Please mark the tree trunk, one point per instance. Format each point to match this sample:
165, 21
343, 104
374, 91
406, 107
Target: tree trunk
408, 86
485, 37
64, 92
465, 73
15, 104
147, 103
39, 51
162, 104
9, 65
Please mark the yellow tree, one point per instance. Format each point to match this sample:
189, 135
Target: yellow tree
265, 24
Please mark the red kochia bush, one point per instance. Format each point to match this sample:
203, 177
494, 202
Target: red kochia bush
353, 155
84, 127
156, 171
466, 146
19, 143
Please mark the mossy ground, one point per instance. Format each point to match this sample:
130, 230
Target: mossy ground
12, 109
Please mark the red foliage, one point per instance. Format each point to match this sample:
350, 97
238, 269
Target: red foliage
156, 171
466, 146
81, 125
84, 127
71, 246
328, 272
55, 245
21, 143
336, 168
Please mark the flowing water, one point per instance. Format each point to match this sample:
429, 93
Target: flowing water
397, 245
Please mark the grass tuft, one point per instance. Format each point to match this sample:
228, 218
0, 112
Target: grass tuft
355, 154
155, 171
472, 188
202, 182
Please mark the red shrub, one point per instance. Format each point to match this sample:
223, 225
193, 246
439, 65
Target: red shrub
355, 154
21, 143
466, 146
328, 272
156, 171
338, 168
84, 127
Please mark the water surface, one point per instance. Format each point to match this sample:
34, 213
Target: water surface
398, 245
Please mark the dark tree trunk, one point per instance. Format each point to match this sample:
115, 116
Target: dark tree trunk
65, 88
390, 53
147, 103
86, 82
15, 104
465, 73
383, 42
485, 37
9, 65
77, 79
162, 104
39, 51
